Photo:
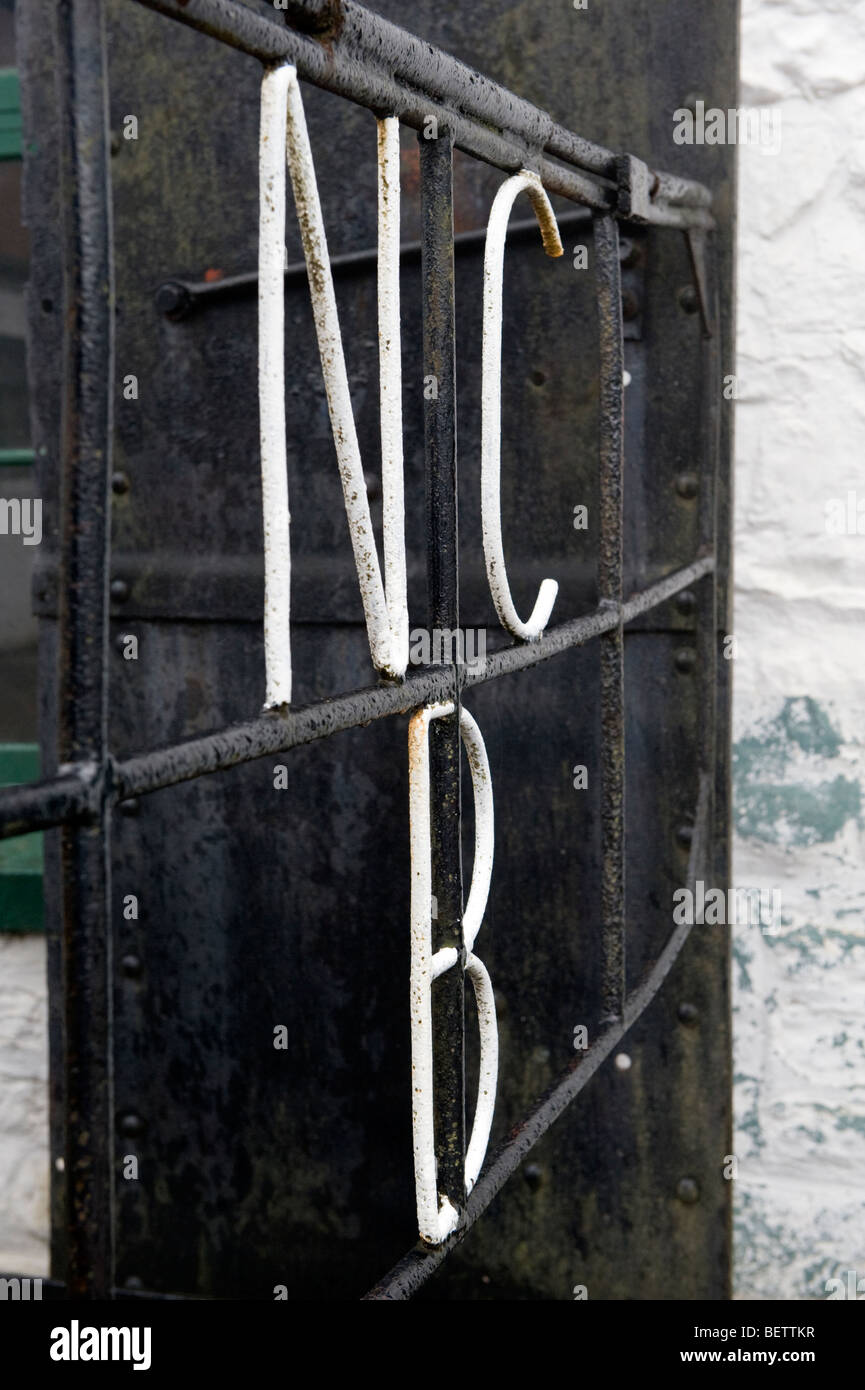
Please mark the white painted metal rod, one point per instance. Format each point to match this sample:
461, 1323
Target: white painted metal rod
437, 1217
489, 1069
388, 640
390, 388
482, 867
491, 400
271, 388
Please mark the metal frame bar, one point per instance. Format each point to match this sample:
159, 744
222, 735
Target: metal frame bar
87, 432
378, 65
611, 465
443, 604
357, 54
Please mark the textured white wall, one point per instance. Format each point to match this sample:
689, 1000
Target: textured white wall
799, 676
23, 1106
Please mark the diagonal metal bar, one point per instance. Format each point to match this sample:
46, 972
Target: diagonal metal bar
365, 58
35, 807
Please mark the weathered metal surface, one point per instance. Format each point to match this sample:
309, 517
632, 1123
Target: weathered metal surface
293, 1167
86, 430
611, 467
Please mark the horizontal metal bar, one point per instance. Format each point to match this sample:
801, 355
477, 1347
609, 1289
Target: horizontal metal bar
34, 807
382, 67
412, 1272
16, 458
51, 801
178, 296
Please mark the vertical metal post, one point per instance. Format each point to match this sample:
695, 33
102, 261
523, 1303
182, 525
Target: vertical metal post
707, 522
439, 359
612, 366
86, 467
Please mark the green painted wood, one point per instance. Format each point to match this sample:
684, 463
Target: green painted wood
10, 114
21, 859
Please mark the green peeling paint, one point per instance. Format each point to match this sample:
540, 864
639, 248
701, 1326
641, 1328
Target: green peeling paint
823, 947
778, 799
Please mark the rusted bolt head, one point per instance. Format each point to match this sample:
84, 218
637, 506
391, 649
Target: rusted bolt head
172, 299
687, 485
119, 590
686, 660
630, 305
688, 299
688, 1013
687, 1191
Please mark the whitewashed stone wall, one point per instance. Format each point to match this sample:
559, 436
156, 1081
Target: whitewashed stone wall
799, 677
23, 1106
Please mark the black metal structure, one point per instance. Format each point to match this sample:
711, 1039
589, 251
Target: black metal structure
259, 907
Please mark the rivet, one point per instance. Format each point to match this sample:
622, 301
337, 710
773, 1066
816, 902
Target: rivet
629, 252
630, 305
686, 602
687, 1191
686, 660
119, 483
688, 1013
687, 485
131, 1125
172, 299
119, 590
130, 806
534, 1175
684, 835
133, 1282
131, 966
688, 299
